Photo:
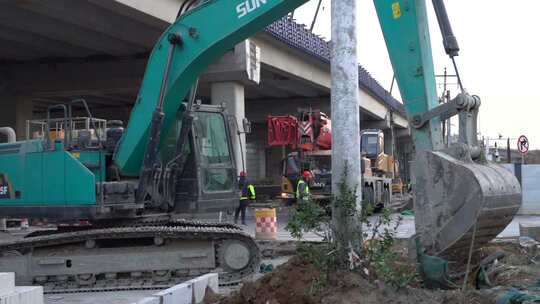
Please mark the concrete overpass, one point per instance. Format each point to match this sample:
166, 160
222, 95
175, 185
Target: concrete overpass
54, 51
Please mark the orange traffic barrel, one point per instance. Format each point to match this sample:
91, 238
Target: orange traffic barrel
266, 227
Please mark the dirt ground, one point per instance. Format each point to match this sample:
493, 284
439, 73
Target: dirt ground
297, 282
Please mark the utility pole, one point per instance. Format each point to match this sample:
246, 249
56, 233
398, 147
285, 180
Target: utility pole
345, 126
448, 122
508, 151
447, 125
316, 15
393, 145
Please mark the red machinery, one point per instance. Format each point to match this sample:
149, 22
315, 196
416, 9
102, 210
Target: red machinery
310, 131
310, 134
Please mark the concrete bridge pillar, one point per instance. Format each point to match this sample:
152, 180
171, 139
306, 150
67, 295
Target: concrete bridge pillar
232, 94
15, 111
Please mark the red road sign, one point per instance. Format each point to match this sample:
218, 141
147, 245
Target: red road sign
523, 144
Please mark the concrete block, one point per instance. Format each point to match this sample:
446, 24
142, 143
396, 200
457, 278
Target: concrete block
7, 283
190, 292
530, 229
24, 295
213, 281
150, 300
199, 289
201, 283
179, 294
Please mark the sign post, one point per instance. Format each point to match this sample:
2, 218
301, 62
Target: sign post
523, 147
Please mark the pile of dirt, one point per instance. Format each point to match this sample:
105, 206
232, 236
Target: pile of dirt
290, 283
297, 282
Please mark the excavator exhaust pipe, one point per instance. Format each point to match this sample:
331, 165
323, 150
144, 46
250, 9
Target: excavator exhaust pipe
461, 203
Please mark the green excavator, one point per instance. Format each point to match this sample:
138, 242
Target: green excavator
175, 157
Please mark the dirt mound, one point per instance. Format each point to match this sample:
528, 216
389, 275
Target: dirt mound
299, 282
290, 283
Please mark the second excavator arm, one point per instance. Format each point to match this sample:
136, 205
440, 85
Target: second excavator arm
461, 201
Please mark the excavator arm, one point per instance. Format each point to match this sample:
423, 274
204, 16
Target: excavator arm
406, 31
461, 200
197, 38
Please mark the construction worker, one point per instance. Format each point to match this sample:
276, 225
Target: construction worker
247, 196
302, 188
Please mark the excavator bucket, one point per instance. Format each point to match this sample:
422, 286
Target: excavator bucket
461, 203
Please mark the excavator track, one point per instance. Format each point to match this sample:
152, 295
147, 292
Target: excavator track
142, 255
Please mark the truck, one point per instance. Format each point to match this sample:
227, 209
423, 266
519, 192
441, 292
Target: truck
310, 134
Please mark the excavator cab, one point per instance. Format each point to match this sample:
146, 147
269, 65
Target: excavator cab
207, 179
372, 148
372, 143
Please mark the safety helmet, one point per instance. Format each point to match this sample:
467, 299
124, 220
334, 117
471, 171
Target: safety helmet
307, 174
243, 174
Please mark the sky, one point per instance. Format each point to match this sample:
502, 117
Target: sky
499, 58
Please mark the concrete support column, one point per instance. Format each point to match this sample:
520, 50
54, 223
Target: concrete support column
389, 144
388, 137
24, 112
16, 110
345, 125
262, 162
233, 96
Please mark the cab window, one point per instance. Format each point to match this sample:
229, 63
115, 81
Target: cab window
215, 152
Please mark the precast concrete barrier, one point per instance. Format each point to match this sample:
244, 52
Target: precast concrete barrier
11, 294
190, 292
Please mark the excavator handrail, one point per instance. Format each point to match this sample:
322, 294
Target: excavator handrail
206, 32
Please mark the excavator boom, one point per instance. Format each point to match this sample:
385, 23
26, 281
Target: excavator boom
206, 33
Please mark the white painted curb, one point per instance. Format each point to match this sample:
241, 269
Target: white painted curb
11, 294
190, 292
7, 283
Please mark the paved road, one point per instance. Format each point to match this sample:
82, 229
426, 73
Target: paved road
405, 230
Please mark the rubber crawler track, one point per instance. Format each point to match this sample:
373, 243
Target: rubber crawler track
167, 229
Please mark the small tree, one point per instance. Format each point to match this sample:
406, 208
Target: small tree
377, 259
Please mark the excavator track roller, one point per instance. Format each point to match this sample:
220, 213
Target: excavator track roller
156, 254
